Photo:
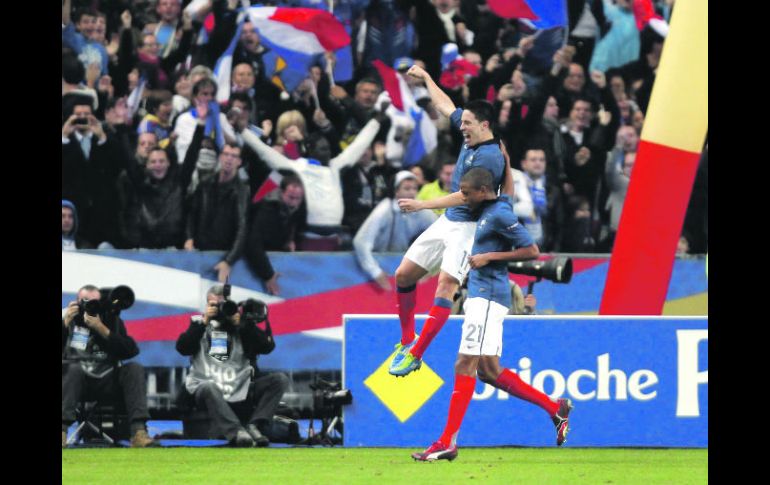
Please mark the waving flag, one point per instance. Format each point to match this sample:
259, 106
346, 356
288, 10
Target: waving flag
425, 135
297, 39
224, 67
548, 20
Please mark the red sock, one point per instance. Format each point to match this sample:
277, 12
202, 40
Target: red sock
405, 301
511, 383
437, 317
461, 397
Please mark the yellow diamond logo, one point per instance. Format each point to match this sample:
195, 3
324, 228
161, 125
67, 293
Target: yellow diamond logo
403, 395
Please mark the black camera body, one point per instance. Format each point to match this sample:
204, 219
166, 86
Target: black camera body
111, 303
253, 310
329, 397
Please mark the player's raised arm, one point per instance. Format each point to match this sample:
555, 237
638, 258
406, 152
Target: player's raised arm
441, 101
413, 205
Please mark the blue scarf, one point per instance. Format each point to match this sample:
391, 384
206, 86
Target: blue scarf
212, 123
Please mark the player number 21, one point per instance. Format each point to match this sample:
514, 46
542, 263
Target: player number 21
478, 329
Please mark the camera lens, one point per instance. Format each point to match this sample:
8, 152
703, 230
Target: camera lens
228, 308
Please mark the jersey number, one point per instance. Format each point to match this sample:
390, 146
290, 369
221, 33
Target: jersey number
478, 329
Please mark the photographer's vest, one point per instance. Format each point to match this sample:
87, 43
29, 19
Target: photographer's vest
221, 360
82, 347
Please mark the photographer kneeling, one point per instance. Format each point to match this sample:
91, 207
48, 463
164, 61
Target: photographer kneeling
224, 379
94, 341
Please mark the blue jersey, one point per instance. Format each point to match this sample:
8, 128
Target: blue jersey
498, 230
486, 154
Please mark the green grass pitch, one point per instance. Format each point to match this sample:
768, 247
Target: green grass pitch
384, 465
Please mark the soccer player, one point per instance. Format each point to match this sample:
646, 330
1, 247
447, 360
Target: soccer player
489, 298
447, 243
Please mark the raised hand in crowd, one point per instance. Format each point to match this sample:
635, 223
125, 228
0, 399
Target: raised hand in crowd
599, 79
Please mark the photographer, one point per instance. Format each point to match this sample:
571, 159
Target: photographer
94, 341
224, 379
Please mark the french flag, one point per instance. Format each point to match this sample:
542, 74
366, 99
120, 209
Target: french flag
548, 20
297, 39
224, 67
425, 135
272, 182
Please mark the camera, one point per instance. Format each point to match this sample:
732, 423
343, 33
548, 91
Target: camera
111, 303
81, 121
90, 307
557, 269
329, 397
254, 310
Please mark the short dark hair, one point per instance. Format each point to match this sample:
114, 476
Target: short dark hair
157, 149
72, 69
581, 99
482, 110
203, 83
369, 80
156, 99
242, 97
479, 177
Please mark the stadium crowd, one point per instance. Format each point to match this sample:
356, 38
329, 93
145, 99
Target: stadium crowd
150, 159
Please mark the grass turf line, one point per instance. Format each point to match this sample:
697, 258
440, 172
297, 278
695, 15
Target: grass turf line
384, 465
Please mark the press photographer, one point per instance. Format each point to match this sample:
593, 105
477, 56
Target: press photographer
94, 342
224, 379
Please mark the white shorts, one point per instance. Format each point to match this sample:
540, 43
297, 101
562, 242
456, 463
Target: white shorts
446, 245
483, 327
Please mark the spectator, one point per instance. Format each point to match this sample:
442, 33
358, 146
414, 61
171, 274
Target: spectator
166, 29
223, 354
275, 224
545, 221
389, 229
73, 75
640, 73
266, 96
578, 233
351, 115
183, 87
621, 43
217, 214
583, 145
320, 174
145, 143
152, 57
385, 33
90, 168
419, 172
586, 23
69, 228
365, 184
439, 187
92, 348
290, 135
158, 118
617, 181
79, 40
152, 200
205, 109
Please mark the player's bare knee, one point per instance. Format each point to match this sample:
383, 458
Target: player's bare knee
447, 287
466, 364
408, 273
489, 369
